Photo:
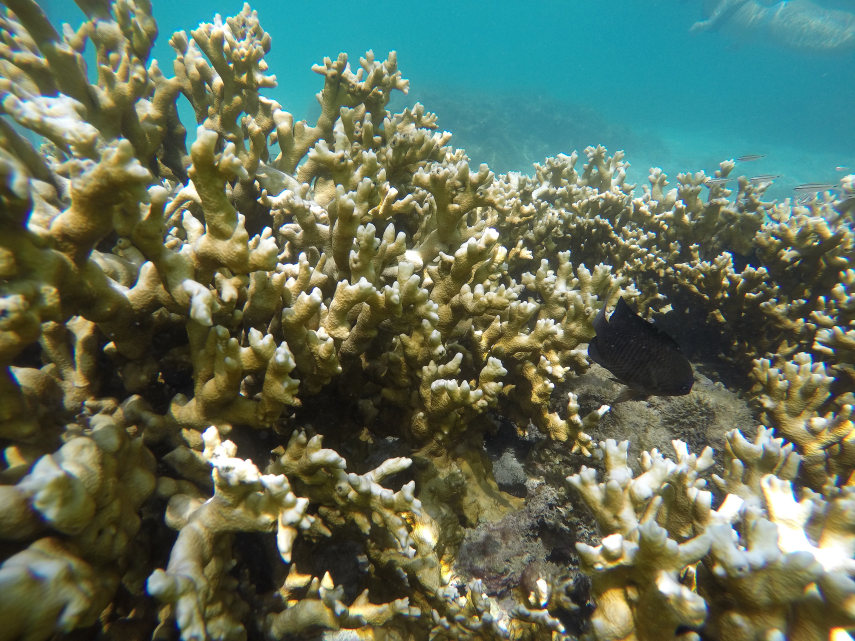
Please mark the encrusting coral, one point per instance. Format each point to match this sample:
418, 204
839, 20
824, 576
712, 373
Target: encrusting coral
182, 329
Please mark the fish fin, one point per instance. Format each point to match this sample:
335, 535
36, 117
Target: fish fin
600, 323
630, 394
665, 336
623, 310
594, 352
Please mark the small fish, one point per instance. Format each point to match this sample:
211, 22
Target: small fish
638, 354
764, 178
814, 187
716, 182
841, 168
750, 157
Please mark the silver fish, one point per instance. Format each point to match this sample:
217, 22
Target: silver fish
814, 187
750, 157
716, 182
764, 178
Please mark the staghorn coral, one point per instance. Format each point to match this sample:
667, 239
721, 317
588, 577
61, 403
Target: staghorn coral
768, 563
799, 404
363, 286
195, 583
768, 275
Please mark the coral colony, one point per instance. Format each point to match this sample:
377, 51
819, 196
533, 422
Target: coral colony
247, 385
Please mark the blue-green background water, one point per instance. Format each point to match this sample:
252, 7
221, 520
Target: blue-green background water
515, 84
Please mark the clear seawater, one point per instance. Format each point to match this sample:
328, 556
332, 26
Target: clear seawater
515, 83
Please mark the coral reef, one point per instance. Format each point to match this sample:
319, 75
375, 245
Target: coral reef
770, 566
247, 383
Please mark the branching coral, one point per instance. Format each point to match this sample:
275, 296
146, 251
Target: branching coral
79, 507
768, 563
793, 397
365, 285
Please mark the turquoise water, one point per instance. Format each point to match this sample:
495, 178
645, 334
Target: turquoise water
516, 84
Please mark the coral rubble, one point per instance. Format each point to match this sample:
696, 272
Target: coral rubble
246, 384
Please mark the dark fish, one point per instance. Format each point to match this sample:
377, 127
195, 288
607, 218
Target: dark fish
638, 354
750, 157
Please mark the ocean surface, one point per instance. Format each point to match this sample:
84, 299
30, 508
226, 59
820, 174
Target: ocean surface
516, 84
